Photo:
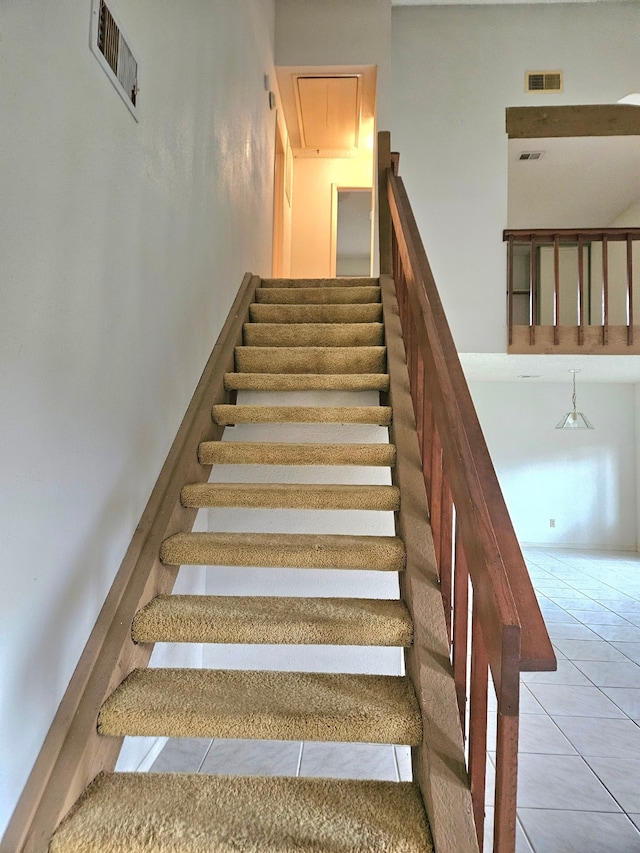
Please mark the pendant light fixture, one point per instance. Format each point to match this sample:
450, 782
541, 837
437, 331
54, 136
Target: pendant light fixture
574, 419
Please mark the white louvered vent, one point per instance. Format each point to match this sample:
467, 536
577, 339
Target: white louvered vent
543, 81
114, 54
530, 155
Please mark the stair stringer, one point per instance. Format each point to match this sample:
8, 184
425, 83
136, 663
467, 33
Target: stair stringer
73, 753
439, 762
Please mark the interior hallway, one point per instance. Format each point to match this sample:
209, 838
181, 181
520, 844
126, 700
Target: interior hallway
579, 771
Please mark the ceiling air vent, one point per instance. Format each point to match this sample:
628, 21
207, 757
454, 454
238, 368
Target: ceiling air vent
543, 81
114, 54
530, 155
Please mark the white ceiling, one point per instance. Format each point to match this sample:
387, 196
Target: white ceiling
579, 182
500, 367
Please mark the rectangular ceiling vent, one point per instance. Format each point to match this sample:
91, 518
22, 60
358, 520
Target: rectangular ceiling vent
530, 155
543, 81
114, 54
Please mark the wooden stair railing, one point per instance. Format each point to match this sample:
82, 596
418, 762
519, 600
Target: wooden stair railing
73, 752
479, 560
571, 290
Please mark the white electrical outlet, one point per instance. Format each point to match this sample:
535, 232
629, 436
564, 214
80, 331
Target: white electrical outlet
552, 522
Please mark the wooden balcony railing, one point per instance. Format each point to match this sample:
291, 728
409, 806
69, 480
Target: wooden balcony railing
481, 568
572, 290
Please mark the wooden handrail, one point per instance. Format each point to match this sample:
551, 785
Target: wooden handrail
525, 235
508, 632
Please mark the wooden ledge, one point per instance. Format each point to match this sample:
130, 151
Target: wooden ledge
617, 341
584, 120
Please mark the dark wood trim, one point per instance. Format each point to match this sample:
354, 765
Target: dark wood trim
617, 341
630, 290
73, 753
581, 120
569, 235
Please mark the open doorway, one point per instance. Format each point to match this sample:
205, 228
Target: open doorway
351, 231
330, 119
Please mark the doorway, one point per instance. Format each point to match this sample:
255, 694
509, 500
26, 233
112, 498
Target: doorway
351, 226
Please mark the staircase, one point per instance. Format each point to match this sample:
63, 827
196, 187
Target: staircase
302, 335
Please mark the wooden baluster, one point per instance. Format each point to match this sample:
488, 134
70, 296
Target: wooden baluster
605, 289
435, 492
427, 444
414, 365
419, 402
385, 227
446, 552
510, 289
460, 628
630, 289
478, 723
580, 290
556, 277
504, 825
533, 295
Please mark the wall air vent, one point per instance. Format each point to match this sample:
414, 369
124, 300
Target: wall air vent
114, 54
530, 155
543, 81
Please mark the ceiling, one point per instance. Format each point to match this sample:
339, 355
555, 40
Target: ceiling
579, 182
500, 367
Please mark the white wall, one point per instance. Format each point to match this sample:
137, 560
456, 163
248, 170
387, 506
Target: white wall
586, 480
121, 247
313, 179
455, 70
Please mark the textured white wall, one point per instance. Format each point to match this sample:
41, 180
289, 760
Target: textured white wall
312, 208
585, 480
455, 70
122, 245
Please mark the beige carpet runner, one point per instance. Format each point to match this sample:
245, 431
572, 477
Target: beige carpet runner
303, 335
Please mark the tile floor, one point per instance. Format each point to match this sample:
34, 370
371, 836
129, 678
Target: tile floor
579, 776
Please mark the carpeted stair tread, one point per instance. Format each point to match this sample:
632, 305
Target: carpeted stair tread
368, 359
343, 281
200, 813
357, 313
283, 453
317, 295
286, 550
273, 620
264, 705
313, 334
306, 381
225, 414
291, 496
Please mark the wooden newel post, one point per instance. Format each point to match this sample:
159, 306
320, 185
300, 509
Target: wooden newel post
384, 212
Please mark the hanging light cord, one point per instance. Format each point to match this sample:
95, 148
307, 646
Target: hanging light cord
573, 396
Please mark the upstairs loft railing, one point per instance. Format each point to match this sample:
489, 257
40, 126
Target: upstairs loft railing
481, 569
573, 290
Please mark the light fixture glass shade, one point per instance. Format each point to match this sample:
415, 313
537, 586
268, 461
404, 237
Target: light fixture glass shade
575, 420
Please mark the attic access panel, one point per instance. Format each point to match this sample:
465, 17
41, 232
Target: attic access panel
329, 111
